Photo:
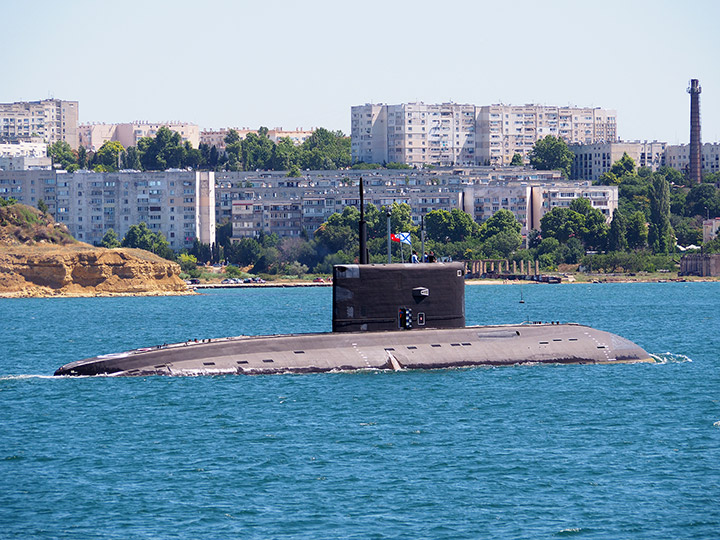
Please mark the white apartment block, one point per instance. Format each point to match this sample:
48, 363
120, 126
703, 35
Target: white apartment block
21, 155
530, 201
217, 137
451, 134
52, 120
414, 133
593, 160
30, 148
93, 136
179, 204
505, 130
678, 157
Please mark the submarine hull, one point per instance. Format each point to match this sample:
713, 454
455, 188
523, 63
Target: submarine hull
348, 351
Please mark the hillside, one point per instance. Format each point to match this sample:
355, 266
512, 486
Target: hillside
25, 225
40, 258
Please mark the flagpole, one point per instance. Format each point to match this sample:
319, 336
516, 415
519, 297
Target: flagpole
388, 212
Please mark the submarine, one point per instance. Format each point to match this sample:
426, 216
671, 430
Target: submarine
384, 316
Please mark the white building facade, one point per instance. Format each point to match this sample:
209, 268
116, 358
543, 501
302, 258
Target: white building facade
179, 204
593, 160
52, 120
452, 134
93, 136
678, 157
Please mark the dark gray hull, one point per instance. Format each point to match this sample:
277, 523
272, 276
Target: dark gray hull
314, 353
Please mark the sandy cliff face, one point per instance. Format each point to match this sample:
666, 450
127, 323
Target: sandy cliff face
83, 270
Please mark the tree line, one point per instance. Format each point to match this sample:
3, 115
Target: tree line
323, 150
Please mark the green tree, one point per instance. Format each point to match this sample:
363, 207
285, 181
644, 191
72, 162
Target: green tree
110, 239
517, 160
285, 156
502, 221
712, 246
325, 149
625, 165
637, 231
703, 200
562, 223
108, 156
594, 230
502, 244
165, 151
660, 233
82, 157
141, 237
187, 262
257, 151
551, 153
617, 240
453, 226
213, 158
42, 206
61, 153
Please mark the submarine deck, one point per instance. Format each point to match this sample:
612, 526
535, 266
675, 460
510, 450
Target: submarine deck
426, 349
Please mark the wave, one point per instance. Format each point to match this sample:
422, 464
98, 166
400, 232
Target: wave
21, 377
670, 358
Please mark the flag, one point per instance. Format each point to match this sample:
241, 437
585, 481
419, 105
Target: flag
401, 237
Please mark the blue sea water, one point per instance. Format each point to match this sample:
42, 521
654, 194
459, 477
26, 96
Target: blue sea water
601, 452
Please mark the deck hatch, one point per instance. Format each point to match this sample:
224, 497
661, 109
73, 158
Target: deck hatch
435, 345
412, 347
268, 360
242, 361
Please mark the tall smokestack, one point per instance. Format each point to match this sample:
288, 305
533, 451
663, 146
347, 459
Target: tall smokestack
695, 144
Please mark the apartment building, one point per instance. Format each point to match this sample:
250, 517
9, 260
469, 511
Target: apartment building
24, 154
678, 157
93, 136
506, 130
593, 160
185, 205
414, 133
452, 134
530, 201
179, 204
52, 120
217, 137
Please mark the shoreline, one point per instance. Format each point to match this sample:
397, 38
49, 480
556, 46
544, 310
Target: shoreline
196, 289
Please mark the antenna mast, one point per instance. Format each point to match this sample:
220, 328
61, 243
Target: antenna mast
363, 228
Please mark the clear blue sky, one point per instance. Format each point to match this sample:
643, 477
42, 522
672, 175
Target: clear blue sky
223, 63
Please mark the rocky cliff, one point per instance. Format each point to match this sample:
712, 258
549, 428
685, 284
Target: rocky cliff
39, 258
83, 270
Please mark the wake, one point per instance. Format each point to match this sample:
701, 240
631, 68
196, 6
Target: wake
670, 358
